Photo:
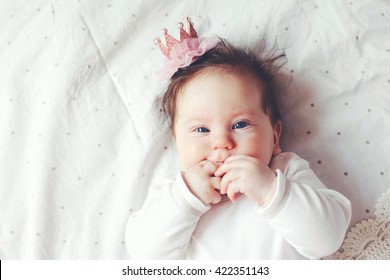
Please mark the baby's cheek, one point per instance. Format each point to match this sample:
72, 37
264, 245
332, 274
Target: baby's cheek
191, 157
250, 146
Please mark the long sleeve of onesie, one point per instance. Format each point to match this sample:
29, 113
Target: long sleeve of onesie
304, 220
311, 217
163, 227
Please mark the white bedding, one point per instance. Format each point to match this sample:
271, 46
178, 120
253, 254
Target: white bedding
80, 144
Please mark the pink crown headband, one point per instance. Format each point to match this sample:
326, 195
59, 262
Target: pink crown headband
179, 54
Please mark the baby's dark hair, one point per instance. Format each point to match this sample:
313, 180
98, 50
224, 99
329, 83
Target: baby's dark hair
227, 58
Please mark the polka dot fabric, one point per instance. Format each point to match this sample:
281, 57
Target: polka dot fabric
81, 133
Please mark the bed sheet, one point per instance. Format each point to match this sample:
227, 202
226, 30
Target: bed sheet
81, 133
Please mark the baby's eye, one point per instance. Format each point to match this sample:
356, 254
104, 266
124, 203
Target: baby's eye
240, 125
202, 130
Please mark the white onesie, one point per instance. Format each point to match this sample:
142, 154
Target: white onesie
304, 220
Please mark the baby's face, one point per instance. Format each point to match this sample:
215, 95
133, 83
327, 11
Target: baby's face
220, 114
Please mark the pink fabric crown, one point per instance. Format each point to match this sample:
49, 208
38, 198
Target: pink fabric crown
179, 54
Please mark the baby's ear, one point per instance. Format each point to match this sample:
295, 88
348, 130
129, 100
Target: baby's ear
277, 131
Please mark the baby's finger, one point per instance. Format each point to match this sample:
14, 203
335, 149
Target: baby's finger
235, 162
215, 197
240, 157
233, 191
216, 182
208, 167
223, 169
230, 163
236, 157
227, 180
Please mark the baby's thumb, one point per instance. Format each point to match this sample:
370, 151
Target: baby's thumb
216, 183
215, 197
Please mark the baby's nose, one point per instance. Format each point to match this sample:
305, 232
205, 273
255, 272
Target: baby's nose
222, 141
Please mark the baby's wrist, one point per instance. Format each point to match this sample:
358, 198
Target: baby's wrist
266, 198
278, 198
187, 199
188, 181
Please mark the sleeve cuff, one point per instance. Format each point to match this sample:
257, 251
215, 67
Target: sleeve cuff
280, 196
186, 199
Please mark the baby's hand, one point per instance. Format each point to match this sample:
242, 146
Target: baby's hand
247, 175
201, 182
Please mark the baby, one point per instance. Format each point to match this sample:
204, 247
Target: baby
237, 196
